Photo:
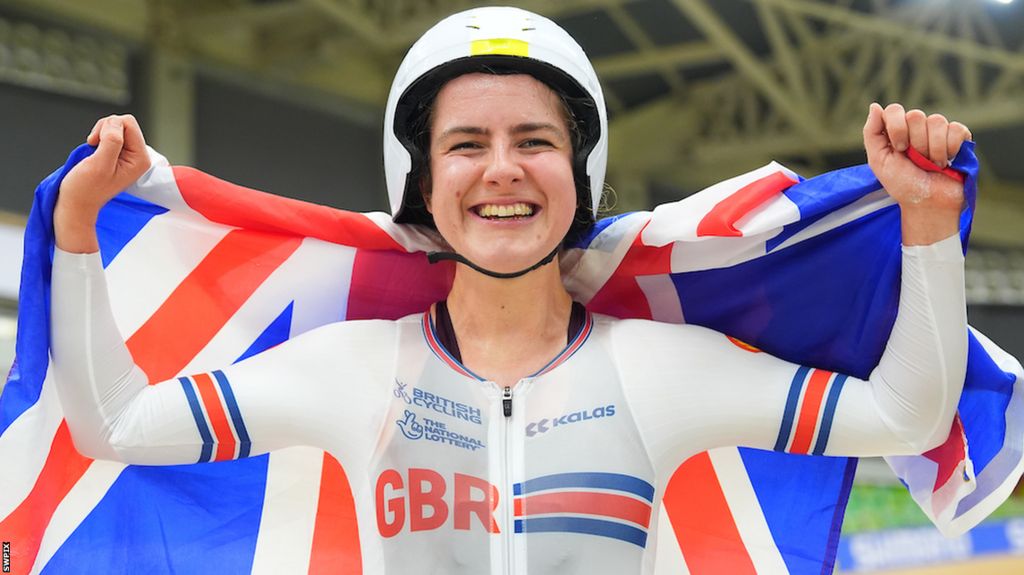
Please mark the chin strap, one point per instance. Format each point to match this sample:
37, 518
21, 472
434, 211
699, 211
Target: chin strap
434, 257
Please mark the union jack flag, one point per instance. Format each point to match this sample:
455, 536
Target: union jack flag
203, 273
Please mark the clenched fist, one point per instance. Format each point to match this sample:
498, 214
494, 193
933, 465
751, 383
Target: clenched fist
930, 202
120, 159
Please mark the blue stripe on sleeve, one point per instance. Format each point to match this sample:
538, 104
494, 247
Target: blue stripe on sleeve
791, 403
244, 444
597, 527
615, 481
830, 411
197, 413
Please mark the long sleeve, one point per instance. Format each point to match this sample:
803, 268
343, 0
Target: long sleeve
693, 389
288, 395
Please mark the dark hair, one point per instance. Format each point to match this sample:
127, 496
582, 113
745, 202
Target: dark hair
414, 114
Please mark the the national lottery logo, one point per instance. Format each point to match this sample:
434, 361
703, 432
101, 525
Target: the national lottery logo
436, 431
414, 396
547, 424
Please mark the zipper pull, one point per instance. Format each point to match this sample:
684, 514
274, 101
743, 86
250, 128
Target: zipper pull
506, 401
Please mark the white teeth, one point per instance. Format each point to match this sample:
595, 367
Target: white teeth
505, 210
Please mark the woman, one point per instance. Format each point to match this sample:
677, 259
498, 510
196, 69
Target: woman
507, 429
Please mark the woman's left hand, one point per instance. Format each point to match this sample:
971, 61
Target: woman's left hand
930, 202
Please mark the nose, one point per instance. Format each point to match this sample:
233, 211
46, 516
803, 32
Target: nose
503, 167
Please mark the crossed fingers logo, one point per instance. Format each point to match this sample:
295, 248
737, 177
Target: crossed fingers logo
410, 428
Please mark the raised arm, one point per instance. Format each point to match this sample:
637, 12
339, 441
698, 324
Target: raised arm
288, 395
711, 392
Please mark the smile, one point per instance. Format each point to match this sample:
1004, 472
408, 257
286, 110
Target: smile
517, 210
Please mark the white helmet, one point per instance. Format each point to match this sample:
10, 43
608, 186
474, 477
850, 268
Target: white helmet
498, 40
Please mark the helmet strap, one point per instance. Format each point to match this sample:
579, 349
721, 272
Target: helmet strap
434, 257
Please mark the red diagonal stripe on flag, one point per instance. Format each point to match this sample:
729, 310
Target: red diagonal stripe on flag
206, 299
242, 207
336, 532
721, 220
703, 522
25, 526
621, 296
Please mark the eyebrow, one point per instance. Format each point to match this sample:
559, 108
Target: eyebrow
517, 129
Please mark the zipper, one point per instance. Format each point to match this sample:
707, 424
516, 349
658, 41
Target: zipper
506, 407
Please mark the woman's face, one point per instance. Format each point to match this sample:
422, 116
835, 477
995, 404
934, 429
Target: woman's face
502, 190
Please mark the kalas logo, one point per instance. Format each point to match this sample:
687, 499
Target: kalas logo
545, 425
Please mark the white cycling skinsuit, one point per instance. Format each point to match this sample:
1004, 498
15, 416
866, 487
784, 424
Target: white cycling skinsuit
562, 472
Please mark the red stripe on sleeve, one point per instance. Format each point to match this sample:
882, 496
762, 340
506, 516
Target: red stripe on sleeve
336, 532
721, 220
206, 299
25, 526
703, 522
809, 411
218, 419
234, 205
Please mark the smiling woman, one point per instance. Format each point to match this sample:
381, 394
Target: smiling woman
506, 429
501, 189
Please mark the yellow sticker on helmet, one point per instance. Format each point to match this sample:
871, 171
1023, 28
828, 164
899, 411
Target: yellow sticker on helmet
502, 46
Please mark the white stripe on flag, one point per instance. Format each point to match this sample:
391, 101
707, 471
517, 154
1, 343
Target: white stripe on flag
678, 221
746, 511
696, 254
982, 495
159, 186
25, 445
75, 507
168, 248
315, 264
669, 556
868, 204
285, 538
662, 297
329, 267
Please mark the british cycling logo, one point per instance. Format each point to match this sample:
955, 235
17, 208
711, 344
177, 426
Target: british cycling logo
437, 403
436, 431
545, 425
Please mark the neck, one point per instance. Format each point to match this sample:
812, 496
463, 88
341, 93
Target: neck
505, 326
483, 306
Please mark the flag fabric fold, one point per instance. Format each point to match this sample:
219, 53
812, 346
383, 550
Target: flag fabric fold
204, 273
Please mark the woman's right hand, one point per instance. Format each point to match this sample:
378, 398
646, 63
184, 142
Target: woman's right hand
120, 159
